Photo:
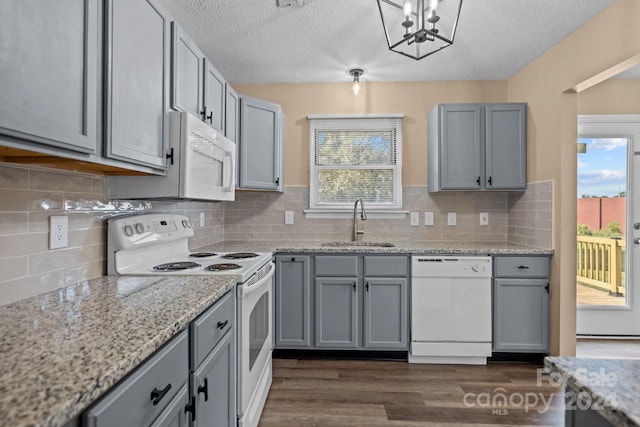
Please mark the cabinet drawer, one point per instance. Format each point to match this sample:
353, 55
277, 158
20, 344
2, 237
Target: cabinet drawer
131, 403
385, 266
521, 266
336, 265
210, 327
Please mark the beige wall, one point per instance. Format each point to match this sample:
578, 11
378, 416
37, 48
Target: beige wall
414, 99
607, 40
611, 97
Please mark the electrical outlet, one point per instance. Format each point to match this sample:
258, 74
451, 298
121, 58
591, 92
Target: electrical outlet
415, 218
58, 232
201, 219
484, 218
428, 218
288, 217
451, 218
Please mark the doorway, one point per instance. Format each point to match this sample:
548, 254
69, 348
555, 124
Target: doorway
607, 245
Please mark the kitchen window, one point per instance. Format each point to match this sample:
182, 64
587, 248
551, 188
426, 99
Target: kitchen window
355, 156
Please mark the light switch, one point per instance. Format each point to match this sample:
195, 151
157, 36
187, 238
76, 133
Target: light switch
428, 218
288, 217
451, 218
415, 218
484, 218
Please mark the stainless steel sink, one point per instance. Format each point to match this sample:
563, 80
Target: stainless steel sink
347, 244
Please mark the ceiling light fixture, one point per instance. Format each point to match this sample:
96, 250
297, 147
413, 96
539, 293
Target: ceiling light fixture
356, 73
419, 28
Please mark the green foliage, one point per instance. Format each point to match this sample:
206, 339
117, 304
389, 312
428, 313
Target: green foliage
584, 230
610, 231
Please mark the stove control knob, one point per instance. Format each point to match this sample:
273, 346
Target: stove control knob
128, 230
186, 223
139, 228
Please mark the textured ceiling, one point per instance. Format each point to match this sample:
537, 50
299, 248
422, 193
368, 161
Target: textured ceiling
254, 41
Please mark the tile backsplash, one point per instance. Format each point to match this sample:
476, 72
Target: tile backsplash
31, 194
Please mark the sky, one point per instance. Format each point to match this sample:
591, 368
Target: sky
602, 170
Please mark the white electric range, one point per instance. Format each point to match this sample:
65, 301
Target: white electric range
158, 244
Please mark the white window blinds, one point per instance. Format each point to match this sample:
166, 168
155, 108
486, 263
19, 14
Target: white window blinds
355, 157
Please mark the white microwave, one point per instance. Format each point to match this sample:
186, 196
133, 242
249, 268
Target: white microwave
201, 166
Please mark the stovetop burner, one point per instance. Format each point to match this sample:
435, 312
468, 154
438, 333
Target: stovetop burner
223, 267
202, 254
240, 255
173, 266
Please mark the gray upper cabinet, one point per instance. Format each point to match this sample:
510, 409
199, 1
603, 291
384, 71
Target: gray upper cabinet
261, 145
521, 304
187, 73
477, 147
50, 77
293, 301
136, 83
232, 114
214, 97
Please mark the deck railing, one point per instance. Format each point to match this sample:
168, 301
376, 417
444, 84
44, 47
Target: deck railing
600, 263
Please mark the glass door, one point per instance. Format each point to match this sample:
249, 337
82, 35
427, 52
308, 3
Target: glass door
608, 206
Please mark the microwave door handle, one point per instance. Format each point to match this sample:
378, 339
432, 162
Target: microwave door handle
228, 160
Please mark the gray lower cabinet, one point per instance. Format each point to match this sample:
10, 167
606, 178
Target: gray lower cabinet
49, 56
143, 396
261, 164
477, 147
521, 304
337, 310
293, 310
213, 386
174, 414
361, 302
136, 82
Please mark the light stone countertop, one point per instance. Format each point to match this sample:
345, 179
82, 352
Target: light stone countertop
611, 385
416, 248
61, 350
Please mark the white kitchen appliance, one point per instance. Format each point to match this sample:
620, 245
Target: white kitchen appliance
201, 164
157, 244
450, 309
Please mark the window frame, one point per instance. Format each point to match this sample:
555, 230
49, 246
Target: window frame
354, 122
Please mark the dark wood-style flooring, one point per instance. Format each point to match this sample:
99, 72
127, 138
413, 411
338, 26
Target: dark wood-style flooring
332, 393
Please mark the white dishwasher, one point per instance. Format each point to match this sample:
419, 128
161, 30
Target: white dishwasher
450, 309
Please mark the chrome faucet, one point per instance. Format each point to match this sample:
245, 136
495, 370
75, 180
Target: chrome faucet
363, 216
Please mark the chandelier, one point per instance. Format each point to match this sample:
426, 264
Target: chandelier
419, 28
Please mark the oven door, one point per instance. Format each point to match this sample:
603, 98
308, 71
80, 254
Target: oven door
255, 344
208, 161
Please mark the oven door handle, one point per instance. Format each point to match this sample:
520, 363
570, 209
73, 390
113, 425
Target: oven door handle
244, 290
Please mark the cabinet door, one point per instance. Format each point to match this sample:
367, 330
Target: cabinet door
214, 385
506, 146
293, 302
260, 144
232, 114
385, 313
174, 414
136, 102
186, 73
214, 96
49, 68
461, 147
521, 315
336, 312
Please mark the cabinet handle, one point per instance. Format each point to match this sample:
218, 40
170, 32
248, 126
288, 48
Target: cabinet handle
191, 407
169, 155
367, 286
293, 260
278, 181
478, 180
523, 267
221, 325
210, 117
157, 395
490, 181
546, 288
354, 286
203, 113
204, 389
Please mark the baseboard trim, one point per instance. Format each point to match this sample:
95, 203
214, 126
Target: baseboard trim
340, 354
